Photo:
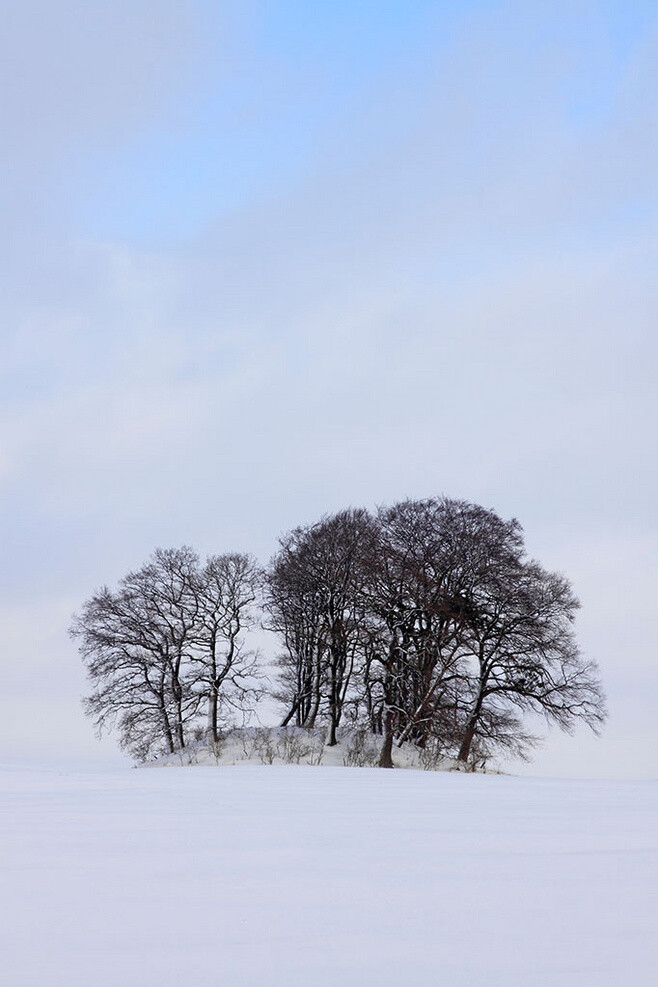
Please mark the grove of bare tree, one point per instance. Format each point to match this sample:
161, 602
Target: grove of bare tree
429, 624
423, 623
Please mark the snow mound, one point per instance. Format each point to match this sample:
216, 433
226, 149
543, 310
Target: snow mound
296, 745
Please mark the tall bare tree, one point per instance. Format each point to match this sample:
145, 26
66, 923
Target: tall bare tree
315, 601
472, 634
295, 612
523, 654
225, 671
428, 555
167, 646
135, 642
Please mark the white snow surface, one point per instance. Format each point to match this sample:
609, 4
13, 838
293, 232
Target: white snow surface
288, 875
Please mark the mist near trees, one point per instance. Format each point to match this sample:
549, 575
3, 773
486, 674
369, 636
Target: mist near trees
422, 623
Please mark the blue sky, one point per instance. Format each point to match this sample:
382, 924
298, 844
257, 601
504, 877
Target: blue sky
268, 88
265, 260
249, 126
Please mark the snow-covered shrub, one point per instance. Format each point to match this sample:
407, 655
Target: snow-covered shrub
362, 750
216, 747
293, 746
431, 756
264, 746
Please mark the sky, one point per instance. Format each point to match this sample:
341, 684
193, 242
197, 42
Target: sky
266, 260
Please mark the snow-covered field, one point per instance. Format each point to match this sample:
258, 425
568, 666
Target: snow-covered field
265, 875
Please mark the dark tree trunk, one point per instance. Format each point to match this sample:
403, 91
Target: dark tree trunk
469, 733
333, 705
288, 717
315, 708
467, 740
386, 756
167, 731
166, 725
178, 725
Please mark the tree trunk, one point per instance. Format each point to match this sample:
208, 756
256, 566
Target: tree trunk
166, 725
167, 730
212, 715
288, 717
467, 740
334, 711
315, 709
386, 756
177, 693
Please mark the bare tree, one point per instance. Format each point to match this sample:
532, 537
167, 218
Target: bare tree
168, 645
428, 555
315, 602
134, 643
225, 671
295, 611
520, 641
431, 624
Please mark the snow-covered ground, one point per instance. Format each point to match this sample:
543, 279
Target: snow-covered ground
293, 745
265, 875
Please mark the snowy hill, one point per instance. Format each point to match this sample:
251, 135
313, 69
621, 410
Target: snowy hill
274, 876
294, 745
